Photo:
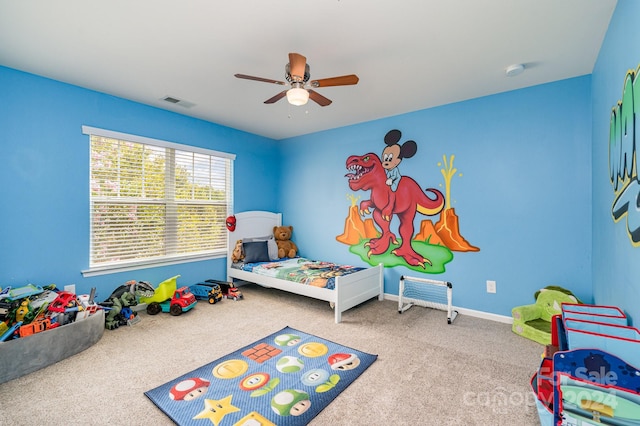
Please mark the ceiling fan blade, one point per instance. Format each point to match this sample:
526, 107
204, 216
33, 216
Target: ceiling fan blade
297, 64
265, 80
318, 98
343, 80
276, 98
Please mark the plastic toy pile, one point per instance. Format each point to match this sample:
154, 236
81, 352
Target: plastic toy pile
32, 309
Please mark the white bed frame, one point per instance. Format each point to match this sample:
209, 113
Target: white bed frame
350, 290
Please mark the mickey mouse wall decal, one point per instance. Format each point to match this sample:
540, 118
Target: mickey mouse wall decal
393, 154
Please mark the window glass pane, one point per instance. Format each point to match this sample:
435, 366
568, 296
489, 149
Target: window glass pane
127, 231
130, 169
156, 201
154, 172
201, 228
194, 174
104, 160
220, 170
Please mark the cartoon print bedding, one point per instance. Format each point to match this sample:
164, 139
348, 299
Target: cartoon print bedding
301, 270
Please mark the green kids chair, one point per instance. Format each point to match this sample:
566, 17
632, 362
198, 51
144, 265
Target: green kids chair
534, 321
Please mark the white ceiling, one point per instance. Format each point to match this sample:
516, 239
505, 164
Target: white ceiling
409, 54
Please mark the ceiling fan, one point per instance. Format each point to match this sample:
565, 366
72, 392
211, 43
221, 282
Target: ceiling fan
297, 75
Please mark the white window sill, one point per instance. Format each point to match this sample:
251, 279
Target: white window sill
132, 266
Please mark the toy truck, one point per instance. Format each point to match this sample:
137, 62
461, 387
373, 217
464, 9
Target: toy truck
229, 290
169, 299
182, 301
208, 291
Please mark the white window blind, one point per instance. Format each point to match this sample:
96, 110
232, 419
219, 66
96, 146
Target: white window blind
155, 202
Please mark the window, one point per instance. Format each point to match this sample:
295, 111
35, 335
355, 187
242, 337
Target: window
154, 203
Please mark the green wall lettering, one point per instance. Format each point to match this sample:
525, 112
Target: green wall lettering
623, 156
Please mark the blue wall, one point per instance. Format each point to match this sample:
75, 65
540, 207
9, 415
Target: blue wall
616, 262
524, 197
44, 219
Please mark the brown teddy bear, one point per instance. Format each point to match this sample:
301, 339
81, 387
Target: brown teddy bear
237, 255
286, 247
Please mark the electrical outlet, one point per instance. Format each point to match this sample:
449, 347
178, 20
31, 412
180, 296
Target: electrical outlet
491, 286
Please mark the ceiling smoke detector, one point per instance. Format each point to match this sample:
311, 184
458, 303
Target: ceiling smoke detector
515, 69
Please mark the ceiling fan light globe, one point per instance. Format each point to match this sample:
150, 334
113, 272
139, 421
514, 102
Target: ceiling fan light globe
297, 96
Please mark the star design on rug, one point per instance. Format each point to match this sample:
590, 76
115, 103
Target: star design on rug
215, 410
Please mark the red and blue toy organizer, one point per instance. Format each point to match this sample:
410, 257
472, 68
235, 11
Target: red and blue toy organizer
592, 379
543, 390
619, 340
594, 387
596, 313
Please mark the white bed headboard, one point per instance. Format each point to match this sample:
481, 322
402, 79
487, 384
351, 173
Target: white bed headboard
251, 224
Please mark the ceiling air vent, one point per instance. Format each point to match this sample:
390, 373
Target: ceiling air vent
175, 101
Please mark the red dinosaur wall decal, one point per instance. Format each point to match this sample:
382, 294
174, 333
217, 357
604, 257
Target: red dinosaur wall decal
366, 173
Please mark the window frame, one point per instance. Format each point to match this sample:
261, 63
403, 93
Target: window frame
130, 265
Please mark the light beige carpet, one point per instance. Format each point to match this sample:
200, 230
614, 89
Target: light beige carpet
473, 372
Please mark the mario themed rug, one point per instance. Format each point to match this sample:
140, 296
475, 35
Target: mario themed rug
286, 378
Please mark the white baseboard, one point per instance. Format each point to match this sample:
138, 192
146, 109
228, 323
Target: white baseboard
470, 312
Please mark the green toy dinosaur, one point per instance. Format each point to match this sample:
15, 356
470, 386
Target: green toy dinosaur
123, 297
534, 321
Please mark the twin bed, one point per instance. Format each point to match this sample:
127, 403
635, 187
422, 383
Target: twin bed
349, 289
